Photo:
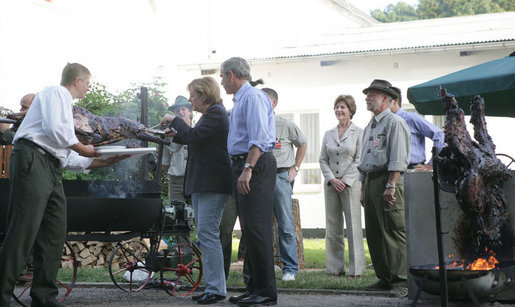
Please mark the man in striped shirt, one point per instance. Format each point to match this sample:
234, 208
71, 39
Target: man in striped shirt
420, 130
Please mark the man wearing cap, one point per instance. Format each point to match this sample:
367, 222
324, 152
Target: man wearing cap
420, 130
175, 157
385, 156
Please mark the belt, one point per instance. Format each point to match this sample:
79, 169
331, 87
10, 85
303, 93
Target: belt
239, 157
412, 165
376, 174
282, 169
41, 150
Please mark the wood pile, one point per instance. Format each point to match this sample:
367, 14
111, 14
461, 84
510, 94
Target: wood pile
92, 254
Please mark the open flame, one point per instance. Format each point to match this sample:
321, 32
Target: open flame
478, 264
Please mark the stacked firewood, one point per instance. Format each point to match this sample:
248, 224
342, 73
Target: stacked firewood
92, 254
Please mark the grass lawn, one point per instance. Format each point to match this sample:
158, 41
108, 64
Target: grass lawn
312, 277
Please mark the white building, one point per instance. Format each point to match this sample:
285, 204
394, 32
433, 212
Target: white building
310, 71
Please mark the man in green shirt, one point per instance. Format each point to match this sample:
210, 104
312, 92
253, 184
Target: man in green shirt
385, 156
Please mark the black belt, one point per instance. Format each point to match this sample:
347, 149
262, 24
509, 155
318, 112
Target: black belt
41, 150
412, 165
376, 174
239, 157
282, 169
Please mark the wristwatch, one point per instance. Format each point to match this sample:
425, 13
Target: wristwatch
389, 186
247, 165
296, 168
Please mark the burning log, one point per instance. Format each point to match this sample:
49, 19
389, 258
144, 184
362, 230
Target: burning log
477, 175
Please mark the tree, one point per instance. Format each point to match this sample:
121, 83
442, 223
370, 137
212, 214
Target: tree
98, 100
129, 105
396, 13
428, 9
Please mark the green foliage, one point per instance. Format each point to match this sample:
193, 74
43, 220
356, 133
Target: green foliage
428, 9
396, 13
129, 104
98, 100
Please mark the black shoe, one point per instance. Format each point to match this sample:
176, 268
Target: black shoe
197, 297
210, 298
257, 300
235, 299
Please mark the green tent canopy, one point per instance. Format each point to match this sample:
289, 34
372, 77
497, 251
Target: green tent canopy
494, 81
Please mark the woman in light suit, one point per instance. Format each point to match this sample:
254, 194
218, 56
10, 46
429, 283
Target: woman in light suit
339, 159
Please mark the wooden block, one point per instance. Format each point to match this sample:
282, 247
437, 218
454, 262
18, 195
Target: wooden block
86, 261
84, 253
80, 245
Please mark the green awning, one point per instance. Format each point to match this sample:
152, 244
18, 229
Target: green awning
494, 81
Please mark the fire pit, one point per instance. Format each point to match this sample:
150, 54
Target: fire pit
464, 283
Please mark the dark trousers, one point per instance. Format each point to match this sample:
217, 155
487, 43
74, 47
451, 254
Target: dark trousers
255, 211
36, 219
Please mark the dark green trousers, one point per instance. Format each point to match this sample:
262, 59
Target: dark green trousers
386, 229
36, 220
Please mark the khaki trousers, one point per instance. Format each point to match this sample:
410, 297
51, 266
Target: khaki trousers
385, 229
340, 206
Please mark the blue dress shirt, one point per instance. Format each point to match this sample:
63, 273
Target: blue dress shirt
421, 129
252, 121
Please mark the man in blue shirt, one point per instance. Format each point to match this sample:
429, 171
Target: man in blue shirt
420, 130
250, 143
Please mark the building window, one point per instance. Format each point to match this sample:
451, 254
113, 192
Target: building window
310, 171
309, 124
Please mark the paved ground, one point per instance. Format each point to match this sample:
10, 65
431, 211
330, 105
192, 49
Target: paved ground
108, 296
86, 295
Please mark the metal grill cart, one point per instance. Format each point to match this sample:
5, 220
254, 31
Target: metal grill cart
137, 221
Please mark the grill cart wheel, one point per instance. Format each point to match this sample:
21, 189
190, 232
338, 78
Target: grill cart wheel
127, 266
65, 283
181, 269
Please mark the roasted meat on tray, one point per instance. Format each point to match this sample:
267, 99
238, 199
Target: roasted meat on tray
95, 130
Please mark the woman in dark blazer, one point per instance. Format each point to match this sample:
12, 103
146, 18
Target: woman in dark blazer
207, 178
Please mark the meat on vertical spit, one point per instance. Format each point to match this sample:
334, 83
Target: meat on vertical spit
478, 176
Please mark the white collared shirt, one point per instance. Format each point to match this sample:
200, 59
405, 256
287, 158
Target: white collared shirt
49, 123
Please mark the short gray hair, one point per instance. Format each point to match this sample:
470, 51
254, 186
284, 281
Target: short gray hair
239, 66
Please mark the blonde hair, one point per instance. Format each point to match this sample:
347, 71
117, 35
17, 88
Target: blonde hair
208, 87
73, 71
